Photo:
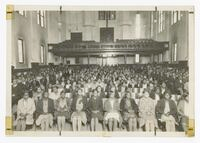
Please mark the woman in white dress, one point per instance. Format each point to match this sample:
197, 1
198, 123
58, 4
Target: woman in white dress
147, 112
25, 110
112, 115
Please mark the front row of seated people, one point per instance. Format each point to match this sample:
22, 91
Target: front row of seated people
114, 113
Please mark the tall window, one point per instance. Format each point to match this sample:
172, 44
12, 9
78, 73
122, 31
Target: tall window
102, 15
175, 16
179, 15
175, 52
138, 25
137, 58
22, 12
161, 21
110, 15
20, 47
152, 23
41, 18
42, 54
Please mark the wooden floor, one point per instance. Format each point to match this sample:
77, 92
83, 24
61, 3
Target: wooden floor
68, 127
85, 131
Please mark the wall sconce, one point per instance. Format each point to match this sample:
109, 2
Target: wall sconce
59, 23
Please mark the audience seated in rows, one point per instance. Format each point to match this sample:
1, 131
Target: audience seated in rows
124, 97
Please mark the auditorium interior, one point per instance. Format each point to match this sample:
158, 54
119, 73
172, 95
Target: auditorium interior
109, 48
89, 37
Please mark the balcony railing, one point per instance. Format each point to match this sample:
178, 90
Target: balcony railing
135, 45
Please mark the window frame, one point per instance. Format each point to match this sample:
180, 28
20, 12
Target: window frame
110, 13
161, 21
42, 53
179, 15
106, 15
175, 52
21, 12
152, 24
137, 58
101, 15
174, 17
41, 18
22, 51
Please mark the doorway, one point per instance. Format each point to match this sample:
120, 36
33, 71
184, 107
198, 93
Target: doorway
107, 35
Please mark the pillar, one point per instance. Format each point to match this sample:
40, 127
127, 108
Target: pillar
137, 58
125, 59
88, 59
152, 58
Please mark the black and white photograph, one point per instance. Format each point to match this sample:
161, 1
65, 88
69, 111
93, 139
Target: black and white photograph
100, 71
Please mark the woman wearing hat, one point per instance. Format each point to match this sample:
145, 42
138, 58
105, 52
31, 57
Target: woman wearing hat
44, 112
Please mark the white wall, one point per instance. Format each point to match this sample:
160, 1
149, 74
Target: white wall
88, 23
33, 36
130, 60
177, 32
84, 60
72, 60
144, 59
93, 60
56, 30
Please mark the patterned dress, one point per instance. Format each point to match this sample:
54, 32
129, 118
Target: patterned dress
146, 110
62, 107
112, 108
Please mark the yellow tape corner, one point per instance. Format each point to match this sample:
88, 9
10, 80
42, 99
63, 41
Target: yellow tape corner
191, 128
9, 130
9, 12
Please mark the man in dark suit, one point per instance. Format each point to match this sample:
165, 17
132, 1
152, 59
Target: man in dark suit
44, 112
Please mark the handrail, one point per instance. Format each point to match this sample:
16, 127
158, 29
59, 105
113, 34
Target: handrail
134, 45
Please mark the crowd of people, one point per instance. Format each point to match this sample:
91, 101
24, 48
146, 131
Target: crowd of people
121, 97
